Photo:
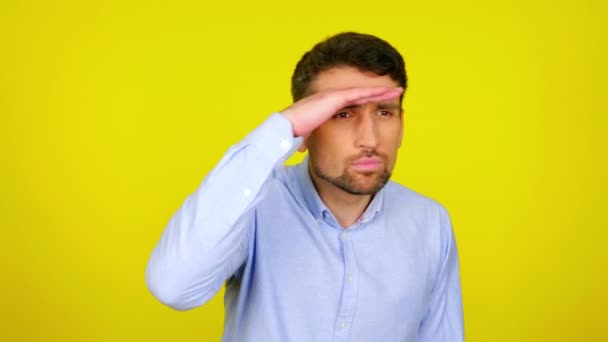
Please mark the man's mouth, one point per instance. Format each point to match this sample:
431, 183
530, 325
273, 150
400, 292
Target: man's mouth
367, 164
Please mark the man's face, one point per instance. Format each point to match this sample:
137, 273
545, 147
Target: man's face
356, 149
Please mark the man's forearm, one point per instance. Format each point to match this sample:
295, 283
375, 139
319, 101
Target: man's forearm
206, 239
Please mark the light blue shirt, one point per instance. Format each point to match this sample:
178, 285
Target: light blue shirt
292, 273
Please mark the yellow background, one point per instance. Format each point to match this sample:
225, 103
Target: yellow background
112, 112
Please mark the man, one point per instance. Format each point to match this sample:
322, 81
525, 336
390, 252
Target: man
330, 249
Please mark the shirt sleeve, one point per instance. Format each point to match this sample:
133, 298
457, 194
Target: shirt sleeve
443, 321
206, 240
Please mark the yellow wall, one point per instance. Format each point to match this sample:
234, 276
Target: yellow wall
112, 112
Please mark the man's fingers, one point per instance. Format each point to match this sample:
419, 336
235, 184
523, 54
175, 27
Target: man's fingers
355, 94
388, 95
365, 95
307, 114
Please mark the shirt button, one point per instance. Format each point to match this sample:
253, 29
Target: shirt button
246, 192
342, 325
285, 144
349, 278
345, 235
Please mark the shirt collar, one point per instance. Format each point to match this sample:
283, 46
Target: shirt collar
316, 205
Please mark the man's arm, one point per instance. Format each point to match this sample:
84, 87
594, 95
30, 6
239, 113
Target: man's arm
206, 240
443, 321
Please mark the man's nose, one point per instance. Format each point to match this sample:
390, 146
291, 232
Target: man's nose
367, 131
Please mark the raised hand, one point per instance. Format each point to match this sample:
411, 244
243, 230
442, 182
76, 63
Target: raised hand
312, 111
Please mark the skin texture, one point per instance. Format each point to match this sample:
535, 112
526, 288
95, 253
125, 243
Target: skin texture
352, 124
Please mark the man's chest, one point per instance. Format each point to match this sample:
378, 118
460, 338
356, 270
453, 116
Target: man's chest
362, 273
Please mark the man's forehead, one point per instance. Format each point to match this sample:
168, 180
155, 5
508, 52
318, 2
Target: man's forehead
344, 77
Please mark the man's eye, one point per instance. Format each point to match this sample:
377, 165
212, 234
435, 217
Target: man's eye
385, 113
342, 115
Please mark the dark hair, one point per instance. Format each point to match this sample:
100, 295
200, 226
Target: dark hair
362, 51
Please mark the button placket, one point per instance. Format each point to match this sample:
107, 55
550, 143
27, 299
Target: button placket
349, 289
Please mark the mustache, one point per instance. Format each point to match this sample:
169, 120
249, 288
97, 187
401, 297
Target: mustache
367, 153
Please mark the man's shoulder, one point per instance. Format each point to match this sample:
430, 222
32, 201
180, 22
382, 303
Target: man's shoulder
285, 175
400, 197
284, 180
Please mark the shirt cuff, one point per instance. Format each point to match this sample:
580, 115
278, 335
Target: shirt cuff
275, 138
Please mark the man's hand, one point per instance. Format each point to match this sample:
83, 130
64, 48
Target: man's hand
312, 111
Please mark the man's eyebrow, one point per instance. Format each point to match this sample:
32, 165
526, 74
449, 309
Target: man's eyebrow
388, 105
351, 107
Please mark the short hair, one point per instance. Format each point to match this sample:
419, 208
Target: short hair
362, 51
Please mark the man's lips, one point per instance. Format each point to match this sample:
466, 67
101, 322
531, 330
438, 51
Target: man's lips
367, 164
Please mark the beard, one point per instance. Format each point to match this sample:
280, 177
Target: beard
356, 183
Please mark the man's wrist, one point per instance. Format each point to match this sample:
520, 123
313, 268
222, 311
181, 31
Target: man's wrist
288, 115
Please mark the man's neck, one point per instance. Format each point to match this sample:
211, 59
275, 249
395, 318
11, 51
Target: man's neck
346, 208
